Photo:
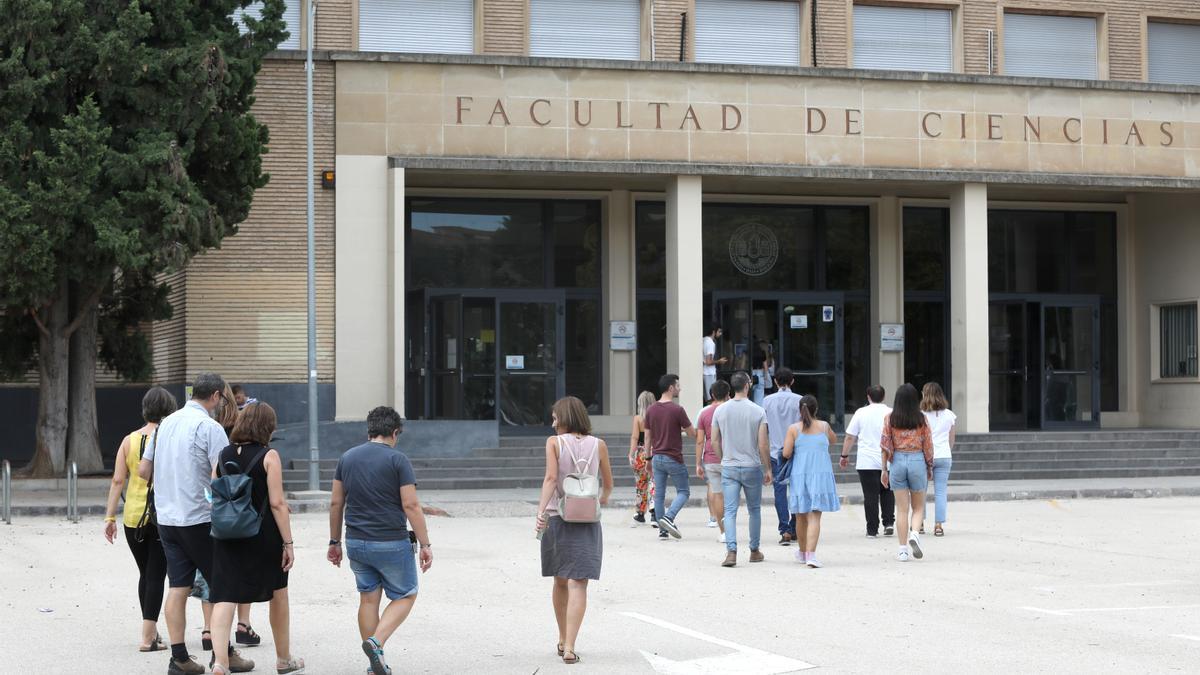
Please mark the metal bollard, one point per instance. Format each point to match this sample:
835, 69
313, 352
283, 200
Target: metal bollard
73, 493
7, 492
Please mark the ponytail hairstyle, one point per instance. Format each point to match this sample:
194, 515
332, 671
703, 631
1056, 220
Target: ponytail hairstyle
808, 411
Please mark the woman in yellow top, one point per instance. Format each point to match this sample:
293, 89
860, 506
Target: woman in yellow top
140, 533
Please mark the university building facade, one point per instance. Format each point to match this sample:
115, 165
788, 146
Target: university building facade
536, 198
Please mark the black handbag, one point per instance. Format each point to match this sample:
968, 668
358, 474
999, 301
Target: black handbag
150, 515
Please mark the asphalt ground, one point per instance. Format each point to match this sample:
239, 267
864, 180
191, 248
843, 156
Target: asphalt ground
1021, 586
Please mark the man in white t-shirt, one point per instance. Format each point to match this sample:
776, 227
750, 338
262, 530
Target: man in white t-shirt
711, 361
866, 429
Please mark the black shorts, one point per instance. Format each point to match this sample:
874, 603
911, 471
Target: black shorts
187, 549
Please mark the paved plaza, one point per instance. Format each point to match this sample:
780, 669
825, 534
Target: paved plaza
1029, 586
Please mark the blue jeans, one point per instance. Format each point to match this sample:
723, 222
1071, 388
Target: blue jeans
787, 522
734, 481
758, 391
665, 467
941, 475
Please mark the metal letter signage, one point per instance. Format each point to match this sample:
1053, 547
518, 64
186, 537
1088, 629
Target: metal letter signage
753, 249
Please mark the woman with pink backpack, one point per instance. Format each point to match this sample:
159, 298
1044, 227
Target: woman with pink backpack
578, 482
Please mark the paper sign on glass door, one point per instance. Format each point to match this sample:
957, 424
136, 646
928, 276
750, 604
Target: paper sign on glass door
516, 362
799, 321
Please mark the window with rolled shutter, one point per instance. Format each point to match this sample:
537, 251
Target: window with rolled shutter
423, 26
748, 31
291, 17
1037, 45
1174, 52
586, 29
903, 38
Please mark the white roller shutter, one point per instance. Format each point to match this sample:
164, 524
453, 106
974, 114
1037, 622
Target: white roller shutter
1174, 50
748, 31
903, 38
586, 29
427, 26
291, 17
1037, 45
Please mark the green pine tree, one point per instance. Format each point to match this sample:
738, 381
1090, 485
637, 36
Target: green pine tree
127, 147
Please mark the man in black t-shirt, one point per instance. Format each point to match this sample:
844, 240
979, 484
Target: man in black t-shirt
374, 487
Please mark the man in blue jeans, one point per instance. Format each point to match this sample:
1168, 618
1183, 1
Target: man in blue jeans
666, 423
740, 440
783, 410
374, 487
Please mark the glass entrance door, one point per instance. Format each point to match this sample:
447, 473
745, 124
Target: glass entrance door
1008, 366
811, 346
445, 352
530, 362
1070, 365
736, 344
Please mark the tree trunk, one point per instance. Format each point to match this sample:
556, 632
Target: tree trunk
50, 457
83, 440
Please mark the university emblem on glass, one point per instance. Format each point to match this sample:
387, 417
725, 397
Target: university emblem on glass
753, 249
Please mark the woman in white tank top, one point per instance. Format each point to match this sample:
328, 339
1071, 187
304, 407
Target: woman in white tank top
941, 424
571, 551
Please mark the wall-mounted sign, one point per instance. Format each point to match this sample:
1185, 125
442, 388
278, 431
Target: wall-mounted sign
799, 321
827, 313
891, 337
622, 336
514, 362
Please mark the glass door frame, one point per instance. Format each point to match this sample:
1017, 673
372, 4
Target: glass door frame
498, 297
1091, 302
837, 299
1043, 301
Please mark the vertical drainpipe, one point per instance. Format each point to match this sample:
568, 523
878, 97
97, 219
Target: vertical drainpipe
814, 33
683, 36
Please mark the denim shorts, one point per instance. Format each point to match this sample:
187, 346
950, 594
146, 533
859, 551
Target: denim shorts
390, 564
909, 472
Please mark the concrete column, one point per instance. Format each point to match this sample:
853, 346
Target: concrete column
685, 289
969, 305
887, 292
361, 288
396, 289
619, 298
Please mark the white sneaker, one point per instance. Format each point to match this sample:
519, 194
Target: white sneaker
712, 522
721, 538
902, 556
914, 542
814, 564
800, 558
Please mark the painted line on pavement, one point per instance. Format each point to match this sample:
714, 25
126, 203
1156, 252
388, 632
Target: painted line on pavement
1187, 637
1124, 584
1081, 610
744, 660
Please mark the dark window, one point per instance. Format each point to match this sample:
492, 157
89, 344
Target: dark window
925, 353
583, 352
847, 248
576, 244
926, 231
1177, 340
856, 327
1052, 252
652, 343
476, 243
651, 243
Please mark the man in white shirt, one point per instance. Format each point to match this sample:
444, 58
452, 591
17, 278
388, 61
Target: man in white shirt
783, 410
866, 428
180, 463
711, 361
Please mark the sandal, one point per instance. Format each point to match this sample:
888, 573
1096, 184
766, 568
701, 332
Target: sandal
206, 642
292, 666
570, 658
245, 636
937, 531
560, 649
156, 645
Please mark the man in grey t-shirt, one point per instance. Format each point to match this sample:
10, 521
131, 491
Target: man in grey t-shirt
740, 440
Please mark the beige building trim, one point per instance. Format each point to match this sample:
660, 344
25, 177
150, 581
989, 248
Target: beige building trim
618, 300
969, 306
364, 290
397, 285
685, 289
887, 290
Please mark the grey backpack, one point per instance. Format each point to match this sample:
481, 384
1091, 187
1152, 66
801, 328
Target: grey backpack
233, 514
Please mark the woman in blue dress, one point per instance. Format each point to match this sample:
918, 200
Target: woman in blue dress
812, 489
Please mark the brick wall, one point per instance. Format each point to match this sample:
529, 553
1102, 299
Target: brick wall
504, 26
246, 302
666, 28
169, 338
335, 24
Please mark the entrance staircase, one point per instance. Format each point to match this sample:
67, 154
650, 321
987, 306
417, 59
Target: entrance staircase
1009, 456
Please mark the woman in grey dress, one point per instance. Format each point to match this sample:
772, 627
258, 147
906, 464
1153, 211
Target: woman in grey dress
571, 552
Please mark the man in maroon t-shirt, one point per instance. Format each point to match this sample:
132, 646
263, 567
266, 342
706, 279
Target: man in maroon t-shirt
666, 422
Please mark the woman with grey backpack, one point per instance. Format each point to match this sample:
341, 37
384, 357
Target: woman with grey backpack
252, 535
578, 482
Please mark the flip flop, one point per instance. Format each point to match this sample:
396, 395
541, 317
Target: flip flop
560, 649
571, 658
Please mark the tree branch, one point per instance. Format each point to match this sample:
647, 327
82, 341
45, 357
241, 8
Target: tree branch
37, 320
92, 300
